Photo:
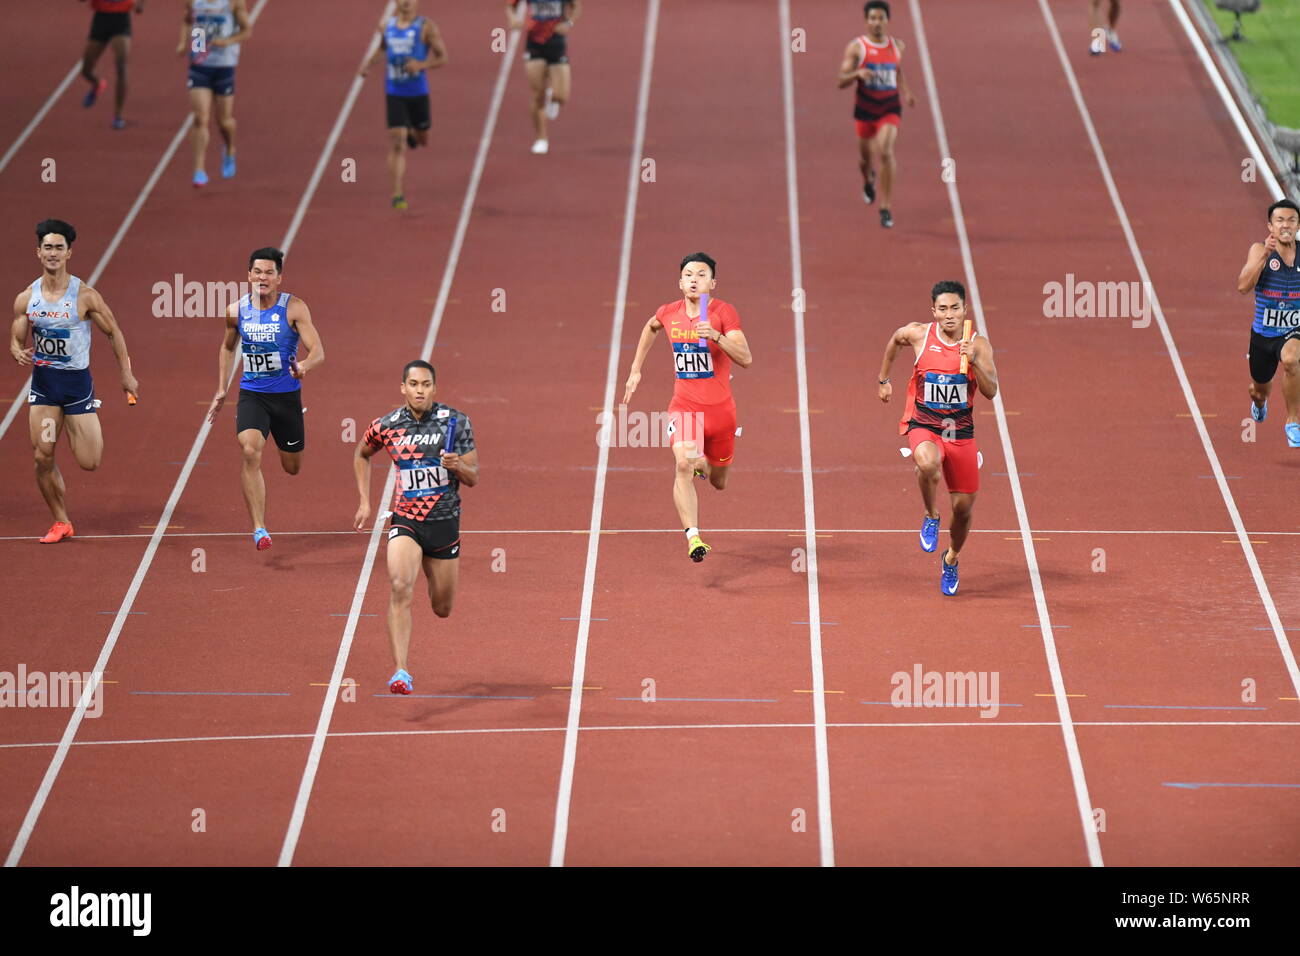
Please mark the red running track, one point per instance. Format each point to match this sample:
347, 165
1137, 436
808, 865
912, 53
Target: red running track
723, 767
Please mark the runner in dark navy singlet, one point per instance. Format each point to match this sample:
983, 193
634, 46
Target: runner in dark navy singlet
270, 324
425, 527
1272, 272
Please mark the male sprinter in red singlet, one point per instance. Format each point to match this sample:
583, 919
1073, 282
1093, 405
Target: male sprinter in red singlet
874, 63
425, 530
57, 309
546, 57
270, 324
939, 420
702, 414
110, 26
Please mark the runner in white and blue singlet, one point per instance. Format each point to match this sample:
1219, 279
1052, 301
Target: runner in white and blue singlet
1272, 271
211, 33
271, 324
410, 45
58, 309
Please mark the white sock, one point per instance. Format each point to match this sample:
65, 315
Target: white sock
691, 533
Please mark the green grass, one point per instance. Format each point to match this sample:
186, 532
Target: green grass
1269, 56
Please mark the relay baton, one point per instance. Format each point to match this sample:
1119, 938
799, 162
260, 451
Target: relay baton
704, 317
449, 445
965, 337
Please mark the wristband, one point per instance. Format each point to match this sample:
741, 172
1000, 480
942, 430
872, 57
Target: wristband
883, 381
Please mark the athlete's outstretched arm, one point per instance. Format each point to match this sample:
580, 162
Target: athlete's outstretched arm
903, 336
300, 318
849, 72
21, 327
226, 355
642, 347
437, 48
239, 9
903, 88
1255, 260
361, 468
736, 346
979, 354
465, 466
379, 50
97, 311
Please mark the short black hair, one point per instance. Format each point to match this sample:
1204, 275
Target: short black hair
1280, 204
948, 285
267, 252
701, 257
876, 5
56, 226
419, 363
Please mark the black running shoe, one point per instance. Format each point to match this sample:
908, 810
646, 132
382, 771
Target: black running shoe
869, 189
886, 219
411, 141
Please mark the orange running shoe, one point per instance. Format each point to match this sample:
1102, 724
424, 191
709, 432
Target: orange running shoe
58, 531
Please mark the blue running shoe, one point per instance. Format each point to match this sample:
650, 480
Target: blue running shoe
119, 123
1293, 434
95, 90
262, 539
227, 165
948, 577
1112, 39
929, 533
401, 683
1258, 412
200, 179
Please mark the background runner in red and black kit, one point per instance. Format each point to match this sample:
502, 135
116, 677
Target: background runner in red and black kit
426, 504
546, 57
109, 26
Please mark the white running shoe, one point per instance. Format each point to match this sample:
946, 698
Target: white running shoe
540, 146
551, 108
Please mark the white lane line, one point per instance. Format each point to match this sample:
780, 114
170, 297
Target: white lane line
146, 561
1230, 503
596, 728
21, 399
564, 794
294, 830
40, 115
789, 531
825, 831
1238, 120
1082, 800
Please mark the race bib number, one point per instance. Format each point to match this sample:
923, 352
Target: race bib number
51, 345
880, 78
424, 480
945, 391
262, 364
692, 361
1280, 319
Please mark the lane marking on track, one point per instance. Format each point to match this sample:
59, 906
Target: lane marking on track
17, 144
110, 642
118, 236
1197, 786
1083, 801
825, 829
238, 738
1230, 503
564, 792
294, 829
1238, 120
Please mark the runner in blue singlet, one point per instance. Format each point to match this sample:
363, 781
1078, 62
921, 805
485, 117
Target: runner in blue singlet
410, 45
270, 324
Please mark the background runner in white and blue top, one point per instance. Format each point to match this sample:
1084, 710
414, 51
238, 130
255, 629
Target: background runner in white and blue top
1273, 273
409, 45
57, 309
211, 34
271, 325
